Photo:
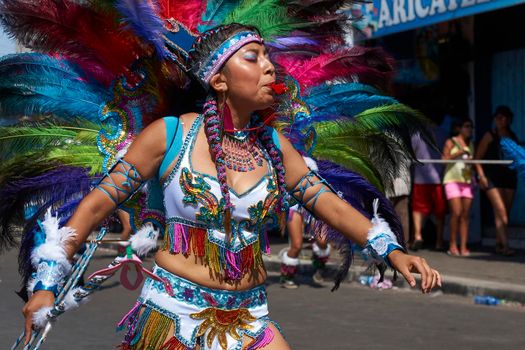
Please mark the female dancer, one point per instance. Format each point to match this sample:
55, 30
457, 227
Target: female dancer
498, 181
225, 176
457, 180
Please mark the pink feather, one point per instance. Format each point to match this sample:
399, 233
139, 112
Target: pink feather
370, 66
187, 12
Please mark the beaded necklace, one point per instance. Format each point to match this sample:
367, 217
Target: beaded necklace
241, 152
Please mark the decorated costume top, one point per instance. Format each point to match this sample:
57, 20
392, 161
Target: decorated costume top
195, 208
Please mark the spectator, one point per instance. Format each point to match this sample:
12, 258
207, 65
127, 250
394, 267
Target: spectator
498, 181
427, 191
458, 186
300, 222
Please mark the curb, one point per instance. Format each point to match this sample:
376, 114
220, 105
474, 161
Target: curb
463, 286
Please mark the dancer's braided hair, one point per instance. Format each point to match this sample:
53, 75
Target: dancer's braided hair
214, 129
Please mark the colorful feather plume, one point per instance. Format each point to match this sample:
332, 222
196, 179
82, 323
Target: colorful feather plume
38, 84
216, 13
143, 18
93, 40
356, 64
187, 12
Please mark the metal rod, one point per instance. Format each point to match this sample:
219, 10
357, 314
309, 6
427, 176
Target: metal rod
467, 161
106, 241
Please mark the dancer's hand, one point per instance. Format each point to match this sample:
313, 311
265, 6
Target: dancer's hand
40, 299
407, 264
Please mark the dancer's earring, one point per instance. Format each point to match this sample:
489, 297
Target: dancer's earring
226, 116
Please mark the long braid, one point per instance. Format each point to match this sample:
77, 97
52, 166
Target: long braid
201, 49
265, 136
214, 133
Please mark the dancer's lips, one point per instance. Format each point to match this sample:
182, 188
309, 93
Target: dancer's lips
277, 88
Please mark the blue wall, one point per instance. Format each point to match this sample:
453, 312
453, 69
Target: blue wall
508, 88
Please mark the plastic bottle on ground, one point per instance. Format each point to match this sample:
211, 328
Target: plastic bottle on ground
486, 300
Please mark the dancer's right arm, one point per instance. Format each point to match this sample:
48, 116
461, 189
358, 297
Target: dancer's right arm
145, 154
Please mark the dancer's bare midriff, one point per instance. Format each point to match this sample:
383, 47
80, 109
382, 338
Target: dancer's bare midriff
192, 268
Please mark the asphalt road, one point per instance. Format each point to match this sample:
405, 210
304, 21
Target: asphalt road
355, 317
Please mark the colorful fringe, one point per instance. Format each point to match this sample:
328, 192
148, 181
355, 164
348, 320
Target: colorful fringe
149, 331
184, 239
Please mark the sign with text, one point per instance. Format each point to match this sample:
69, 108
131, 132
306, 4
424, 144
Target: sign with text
384, 17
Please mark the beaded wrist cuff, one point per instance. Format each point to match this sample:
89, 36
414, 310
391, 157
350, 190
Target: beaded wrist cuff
49, 258
381, 241
49, 275
380, 245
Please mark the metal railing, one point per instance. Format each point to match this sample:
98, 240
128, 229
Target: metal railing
467, 161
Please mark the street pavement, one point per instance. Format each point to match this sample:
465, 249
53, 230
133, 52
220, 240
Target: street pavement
354, 317
483, 273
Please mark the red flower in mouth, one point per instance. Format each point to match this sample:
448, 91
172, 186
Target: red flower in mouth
278, 88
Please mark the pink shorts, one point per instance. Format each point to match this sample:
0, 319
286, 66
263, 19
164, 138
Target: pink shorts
458, 190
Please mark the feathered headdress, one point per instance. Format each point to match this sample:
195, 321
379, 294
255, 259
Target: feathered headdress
101, 71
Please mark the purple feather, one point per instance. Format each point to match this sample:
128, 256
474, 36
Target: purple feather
57, 188
283, 43
143, 18
360, 194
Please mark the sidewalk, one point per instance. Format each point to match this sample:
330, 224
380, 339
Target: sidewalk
483, 273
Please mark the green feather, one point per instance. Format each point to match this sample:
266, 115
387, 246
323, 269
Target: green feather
31, 137
399, 120
351, 159
269, 16
79, 156
383, 150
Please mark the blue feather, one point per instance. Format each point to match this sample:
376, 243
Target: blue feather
345, 99
516, 153
33, 84
216, 13
143, 18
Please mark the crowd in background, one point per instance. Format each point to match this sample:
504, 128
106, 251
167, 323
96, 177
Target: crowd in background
446, 190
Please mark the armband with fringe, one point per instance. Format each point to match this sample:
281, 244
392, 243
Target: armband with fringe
49, 258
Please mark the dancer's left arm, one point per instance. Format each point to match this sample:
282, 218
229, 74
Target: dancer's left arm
344, 218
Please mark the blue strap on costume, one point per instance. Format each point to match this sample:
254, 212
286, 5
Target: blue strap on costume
275, 138
174, 141
130, 181
310, 180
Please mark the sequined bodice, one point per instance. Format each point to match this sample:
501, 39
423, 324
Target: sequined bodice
195, 206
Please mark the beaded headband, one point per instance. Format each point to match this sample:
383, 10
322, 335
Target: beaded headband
179, 41
207, 68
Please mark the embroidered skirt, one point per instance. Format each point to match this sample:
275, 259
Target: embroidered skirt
215, 319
